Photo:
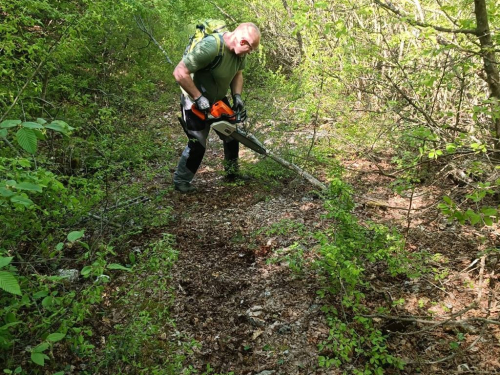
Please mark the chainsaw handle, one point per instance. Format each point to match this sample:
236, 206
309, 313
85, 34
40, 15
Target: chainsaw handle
198, 113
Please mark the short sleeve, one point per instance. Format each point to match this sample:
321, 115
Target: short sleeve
203, 53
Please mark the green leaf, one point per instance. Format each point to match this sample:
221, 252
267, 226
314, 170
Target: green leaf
60, 246
5, 261
63, 124
31, 125
56, 127
473, 217
9, 123
3, 133
54, 337
24, 163
47, 302
116, 266
489, 211
75, 235
59, 373
9, 283
39, 358
29, 186
451, 147
321, 4
25, 201
8, 325
447, 200
6, 193
40, 294
41, 347
86, 270
41, 121
27, 139
60, 126
39, 135
488, 221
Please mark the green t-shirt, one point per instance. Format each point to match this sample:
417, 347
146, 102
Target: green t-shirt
212, 83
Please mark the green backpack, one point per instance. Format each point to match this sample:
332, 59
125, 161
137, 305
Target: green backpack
204, 29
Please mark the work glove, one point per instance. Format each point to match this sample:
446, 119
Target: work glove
239, 107
202, 103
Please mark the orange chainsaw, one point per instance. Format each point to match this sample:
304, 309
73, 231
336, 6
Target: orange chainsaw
223, 120
219, 111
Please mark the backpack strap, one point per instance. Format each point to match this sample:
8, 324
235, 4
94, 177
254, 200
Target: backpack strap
220, 47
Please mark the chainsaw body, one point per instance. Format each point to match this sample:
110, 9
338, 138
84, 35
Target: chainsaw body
218, 111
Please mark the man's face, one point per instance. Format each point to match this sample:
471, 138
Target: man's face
245, 44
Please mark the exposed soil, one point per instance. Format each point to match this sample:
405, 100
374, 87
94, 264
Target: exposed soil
252, 316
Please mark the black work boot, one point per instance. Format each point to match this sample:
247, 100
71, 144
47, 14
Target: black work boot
185, 187
236, 177
233, 173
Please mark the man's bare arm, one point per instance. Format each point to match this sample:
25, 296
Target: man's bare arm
237, 83
183, 77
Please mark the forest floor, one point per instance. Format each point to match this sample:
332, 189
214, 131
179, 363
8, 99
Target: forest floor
252, 314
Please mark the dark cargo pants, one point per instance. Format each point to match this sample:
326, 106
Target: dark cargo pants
197, 132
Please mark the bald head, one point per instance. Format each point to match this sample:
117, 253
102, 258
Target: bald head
251, 31
244, 39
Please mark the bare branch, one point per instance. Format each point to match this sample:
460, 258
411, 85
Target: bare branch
223, 12
412, 102
414, 22
142, 26
314, 181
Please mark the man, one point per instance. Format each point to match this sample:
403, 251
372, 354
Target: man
204, 87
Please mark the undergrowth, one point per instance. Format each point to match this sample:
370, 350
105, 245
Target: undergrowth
144, 339
345, 251
66, 222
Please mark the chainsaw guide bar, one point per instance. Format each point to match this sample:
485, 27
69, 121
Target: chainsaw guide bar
248, 140
239, 135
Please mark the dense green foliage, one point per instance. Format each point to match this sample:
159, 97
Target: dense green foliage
84, 137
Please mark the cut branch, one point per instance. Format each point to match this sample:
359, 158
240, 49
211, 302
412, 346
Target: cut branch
313, 180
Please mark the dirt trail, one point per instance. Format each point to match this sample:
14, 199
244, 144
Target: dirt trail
251, 317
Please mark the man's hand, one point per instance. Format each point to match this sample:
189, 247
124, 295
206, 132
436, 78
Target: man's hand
202, 103
239, 107
238, 104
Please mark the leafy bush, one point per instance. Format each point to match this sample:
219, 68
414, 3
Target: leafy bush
347, 249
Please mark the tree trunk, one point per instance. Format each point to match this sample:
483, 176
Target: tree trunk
490, 66
299, 35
